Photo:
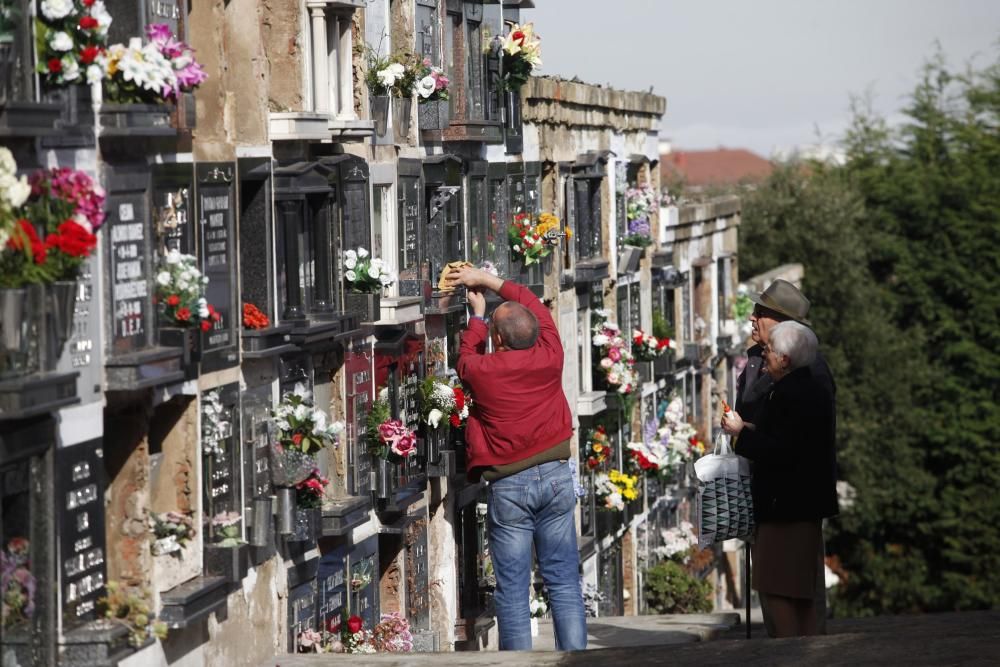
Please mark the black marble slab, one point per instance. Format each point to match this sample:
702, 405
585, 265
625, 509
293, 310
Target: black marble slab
100, 643
193, 601
344, 515
592, 270
37, 394
152, 367
29, 119
261, 343
230, 563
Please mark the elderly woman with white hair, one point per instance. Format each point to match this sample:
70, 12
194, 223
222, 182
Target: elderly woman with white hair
792, 451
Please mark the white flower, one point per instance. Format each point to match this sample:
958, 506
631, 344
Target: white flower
600, 340
70, 68
14, 191
350, 275
386, 77
61, 41
336, 428
301, 411
56, 9
202, 308
163, 278
373, 272
385, 279
434, 417
383, 394
282, 424
425, 87
350, 262
350, 254
8, 166
94, 74
362, 252
378, 262
302, 392
173, 256
100, 12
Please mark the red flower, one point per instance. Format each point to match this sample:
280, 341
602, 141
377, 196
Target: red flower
183, 314
88, 23
173, 300
354, 624
72, 239
205, 325
88, 3
459, 398
297, 438
333, 625
518, 37
523, 234
89, 53
37, 247
454, 419
54, 65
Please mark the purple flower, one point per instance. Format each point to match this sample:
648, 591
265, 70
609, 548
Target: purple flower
639, 226
159, 32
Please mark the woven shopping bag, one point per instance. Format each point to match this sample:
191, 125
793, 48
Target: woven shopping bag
724, 498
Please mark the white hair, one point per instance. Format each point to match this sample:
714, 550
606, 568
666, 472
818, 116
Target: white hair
795, 341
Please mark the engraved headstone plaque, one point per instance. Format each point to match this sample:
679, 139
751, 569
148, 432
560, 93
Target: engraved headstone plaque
358, 371
332, 581
217, 229
128, 243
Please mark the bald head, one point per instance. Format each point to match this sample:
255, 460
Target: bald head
516, 326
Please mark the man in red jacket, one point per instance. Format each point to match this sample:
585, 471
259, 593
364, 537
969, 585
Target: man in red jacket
518, 440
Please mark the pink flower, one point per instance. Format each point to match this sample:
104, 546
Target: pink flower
606, 363
614, 354
404, 446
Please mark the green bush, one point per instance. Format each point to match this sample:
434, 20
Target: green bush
670, 589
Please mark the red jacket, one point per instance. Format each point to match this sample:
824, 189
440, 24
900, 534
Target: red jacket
519, 408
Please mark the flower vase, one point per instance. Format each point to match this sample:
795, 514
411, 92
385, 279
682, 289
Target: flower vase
62, 294
645, 369
512, 109
286, 509
307, 523
628, 259
13, 332
534, 626
186, 338
433, 115
166, 545
366, 306
380, 113
401, 107
383, 479
260, 532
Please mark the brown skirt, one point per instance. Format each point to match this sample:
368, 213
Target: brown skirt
787, 558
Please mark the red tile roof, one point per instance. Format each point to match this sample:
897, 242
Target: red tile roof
724, 166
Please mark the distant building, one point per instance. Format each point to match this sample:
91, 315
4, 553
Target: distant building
714, 168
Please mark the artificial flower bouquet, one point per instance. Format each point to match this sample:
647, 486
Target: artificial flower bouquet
132, 607
172, 531
531, 236
538, 605
598, 448
646, 347
394, 75
17, 584
679, 543
299, 429
442, 404
616, 362
215, 427
388, 438
431, 82
640, 202
522, 55
70, 36
613, 489
226, 528
180, 291
47, 223
149, 72
309, 492
365, 273
254, 318
349, 635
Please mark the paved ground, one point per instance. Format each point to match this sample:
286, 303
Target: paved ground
970, 638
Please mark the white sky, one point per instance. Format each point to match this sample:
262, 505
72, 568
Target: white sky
761, 74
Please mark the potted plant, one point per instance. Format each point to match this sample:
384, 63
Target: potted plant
389, 442
172, 531
433, 106
365, 276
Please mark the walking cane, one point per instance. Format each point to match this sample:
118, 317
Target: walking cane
746, 582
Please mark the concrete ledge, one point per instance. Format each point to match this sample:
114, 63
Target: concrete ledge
710, 210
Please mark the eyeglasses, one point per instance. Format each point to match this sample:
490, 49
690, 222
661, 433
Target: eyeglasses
760, 311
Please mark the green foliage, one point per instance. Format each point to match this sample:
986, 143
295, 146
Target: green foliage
671, 589
900, 248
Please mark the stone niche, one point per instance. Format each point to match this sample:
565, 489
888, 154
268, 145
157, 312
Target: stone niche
357, 465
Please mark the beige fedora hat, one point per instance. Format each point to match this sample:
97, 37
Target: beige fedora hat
785, 298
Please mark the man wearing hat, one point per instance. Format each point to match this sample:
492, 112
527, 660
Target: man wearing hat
779, 302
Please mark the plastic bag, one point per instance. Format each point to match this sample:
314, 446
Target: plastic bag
724, 498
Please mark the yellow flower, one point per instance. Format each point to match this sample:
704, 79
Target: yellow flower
597, 447
569, 234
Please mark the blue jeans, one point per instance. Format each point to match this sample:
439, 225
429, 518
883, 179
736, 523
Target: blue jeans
535, 506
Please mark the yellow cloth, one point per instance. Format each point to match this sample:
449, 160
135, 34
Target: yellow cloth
442, 286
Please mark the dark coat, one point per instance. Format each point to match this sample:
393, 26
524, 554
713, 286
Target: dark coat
753, 385
793, 451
